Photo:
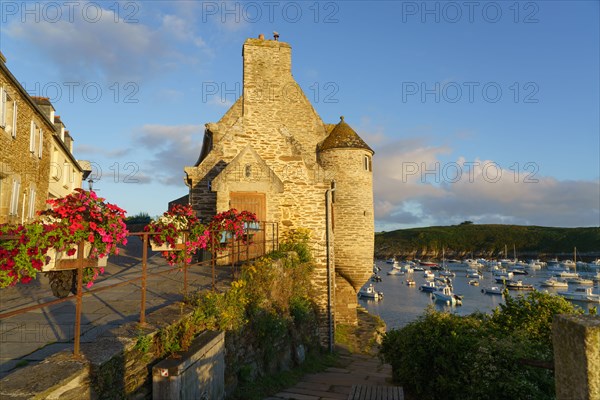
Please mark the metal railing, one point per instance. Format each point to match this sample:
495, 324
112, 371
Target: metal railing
233, 253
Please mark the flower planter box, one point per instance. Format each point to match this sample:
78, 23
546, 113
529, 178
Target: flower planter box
61, 261
179, 245
252, 226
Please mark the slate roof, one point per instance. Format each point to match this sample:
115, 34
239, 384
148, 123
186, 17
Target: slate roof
343, 136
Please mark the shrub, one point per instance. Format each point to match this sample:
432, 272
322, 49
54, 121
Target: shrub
442, 355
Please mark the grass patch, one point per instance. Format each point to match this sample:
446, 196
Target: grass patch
269, 385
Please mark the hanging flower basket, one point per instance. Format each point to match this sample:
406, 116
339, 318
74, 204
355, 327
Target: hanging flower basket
81, 216
56, 259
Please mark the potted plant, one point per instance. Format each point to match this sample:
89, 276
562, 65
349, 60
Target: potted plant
230, 225
177, 234
81, 216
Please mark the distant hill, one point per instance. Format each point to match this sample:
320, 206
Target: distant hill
488, 241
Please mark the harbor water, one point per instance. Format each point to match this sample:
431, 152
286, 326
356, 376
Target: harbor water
402, 304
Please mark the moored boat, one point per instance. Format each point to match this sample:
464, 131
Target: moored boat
428, 287
553, 282
428, 263
581, 293
518, 285
445, 295
473, 273
369, 292
428, 274
474, 282
580, 281
492, 290
395, 271
566, 274
447, 272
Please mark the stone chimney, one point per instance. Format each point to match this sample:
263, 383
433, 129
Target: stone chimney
267, 71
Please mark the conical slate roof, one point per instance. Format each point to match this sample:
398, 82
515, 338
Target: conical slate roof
343, 136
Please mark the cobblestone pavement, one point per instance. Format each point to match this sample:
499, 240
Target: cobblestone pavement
31, 337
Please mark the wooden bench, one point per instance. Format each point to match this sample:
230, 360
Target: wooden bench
370, 392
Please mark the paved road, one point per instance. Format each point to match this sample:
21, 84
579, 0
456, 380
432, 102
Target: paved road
31, 337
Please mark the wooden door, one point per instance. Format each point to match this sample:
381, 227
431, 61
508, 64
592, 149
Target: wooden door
257, 204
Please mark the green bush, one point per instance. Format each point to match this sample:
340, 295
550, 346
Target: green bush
140, 218
442, 355
271, 294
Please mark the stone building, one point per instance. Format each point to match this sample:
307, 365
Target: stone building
66, 173
273, 155
29, 141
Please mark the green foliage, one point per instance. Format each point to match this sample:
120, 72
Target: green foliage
270, 295
490, 239
301, 309
261, 388
442, 355
143, 343
297, 240
530, 316
139, 218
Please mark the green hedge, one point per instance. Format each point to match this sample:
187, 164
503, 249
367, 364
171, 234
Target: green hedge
446, 356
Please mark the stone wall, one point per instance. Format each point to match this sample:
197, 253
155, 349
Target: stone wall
17, 162
576, 341
115, 366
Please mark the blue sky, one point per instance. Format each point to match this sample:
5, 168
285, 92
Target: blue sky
481, 111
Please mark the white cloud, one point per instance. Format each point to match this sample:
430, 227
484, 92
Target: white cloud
413, 187
170, 149
107, 45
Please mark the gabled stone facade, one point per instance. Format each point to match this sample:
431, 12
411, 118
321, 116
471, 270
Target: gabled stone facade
36, 153
272, 145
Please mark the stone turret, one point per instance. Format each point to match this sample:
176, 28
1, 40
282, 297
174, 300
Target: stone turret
350, 159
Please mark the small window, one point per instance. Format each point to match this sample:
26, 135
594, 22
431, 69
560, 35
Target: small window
66, 177
248, 171
3, 111
31, 213
14, 198
32, 136
367, 163
8, 113
41, 143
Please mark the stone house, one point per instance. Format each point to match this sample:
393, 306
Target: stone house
273, 155
66, 173
29, 140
